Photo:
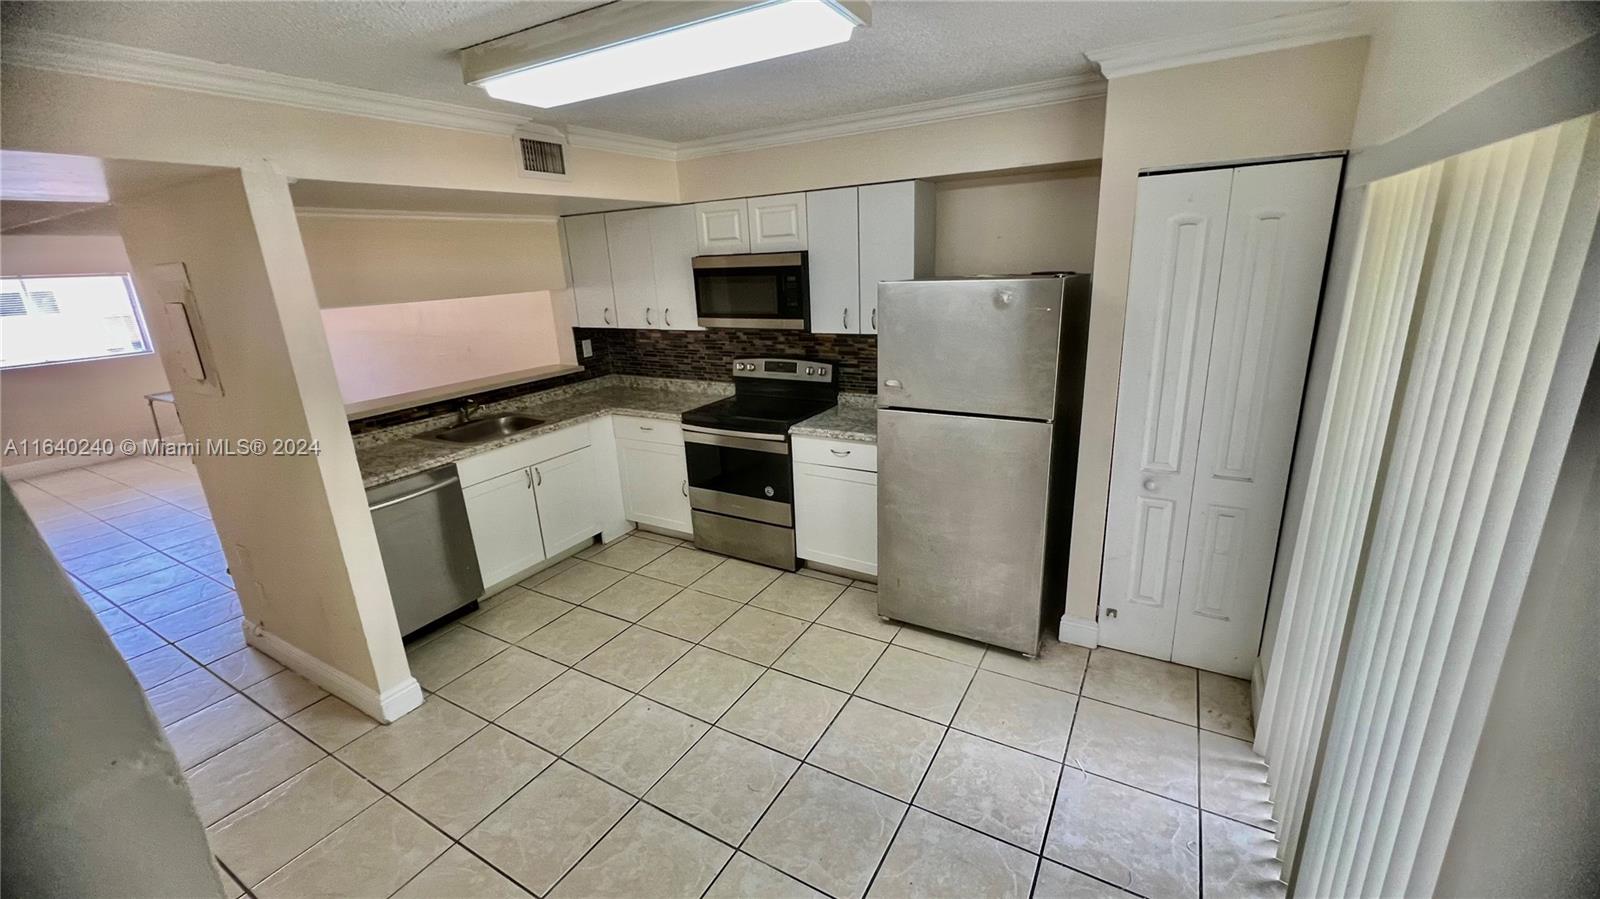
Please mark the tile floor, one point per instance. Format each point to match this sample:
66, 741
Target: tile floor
650, 720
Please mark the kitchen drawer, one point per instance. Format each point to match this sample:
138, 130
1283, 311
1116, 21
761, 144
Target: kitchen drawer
837, 453
648, 430
522, 454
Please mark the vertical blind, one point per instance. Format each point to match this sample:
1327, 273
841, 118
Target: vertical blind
1466, 274
1511, 237
1332, 525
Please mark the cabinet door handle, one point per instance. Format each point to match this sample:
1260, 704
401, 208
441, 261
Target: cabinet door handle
839, 453
527, 477
538, 478
647, 316
606, 314
874, 318
847, 317
685, 488
666, 315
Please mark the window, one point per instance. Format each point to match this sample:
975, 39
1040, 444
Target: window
69, 319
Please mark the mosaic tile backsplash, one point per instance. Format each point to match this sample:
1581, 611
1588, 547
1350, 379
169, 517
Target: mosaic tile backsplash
691, 355
708, 355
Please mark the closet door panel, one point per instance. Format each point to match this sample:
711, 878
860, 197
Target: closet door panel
1179, 228
1279, 220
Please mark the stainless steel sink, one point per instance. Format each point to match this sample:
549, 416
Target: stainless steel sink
484, 429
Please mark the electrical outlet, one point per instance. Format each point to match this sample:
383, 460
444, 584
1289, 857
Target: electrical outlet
588, 349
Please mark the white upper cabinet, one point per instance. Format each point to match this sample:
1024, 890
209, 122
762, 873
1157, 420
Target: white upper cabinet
634, 269
633, 273
589, 261
672, 242
722, 227
896, 224
777, 223
834, 261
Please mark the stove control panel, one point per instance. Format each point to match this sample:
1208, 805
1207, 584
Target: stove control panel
809, 370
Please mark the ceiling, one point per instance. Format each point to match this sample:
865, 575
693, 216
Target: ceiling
912, 52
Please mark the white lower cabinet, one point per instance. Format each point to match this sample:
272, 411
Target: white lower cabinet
835, 510
655, 484
565, 489
530, 501
505, 525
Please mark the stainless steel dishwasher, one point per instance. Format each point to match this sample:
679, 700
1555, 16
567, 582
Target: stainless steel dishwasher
426, 541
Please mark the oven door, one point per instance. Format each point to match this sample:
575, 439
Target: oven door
740, 474
761, 290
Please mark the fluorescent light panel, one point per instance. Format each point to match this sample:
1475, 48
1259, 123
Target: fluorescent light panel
764, 31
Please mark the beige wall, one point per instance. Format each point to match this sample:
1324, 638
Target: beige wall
295, 528
1427, 57
1045, 135
92, 399
1006, 224
57, 113
1281, 103
366, 261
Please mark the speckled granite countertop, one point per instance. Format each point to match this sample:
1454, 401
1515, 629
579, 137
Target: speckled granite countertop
394, 453
855, 418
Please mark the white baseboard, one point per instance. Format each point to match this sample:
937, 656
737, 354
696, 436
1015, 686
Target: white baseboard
1080, 631
385, 707
1258, 683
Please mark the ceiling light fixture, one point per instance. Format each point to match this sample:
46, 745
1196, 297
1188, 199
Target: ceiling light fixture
627, 45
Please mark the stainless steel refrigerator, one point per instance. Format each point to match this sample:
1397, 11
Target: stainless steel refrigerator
980, 391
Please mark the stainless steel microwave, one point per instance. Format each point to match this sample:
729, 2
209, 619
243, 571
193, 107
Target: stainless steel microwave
753, 290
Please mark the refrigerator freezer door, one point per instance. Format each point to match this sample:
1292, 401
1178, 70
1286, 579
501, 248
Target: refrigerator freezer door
961, 524
983, 347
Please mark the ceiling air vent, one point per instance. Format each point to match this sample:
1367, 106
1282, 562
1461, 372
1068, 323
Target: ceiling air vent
542, 152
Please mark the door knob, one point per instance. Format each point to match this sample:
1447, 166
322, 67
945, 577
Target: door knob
1149, 485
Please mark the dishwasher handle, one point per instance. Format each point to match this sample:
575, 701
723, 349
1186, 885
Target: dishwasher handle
431, 488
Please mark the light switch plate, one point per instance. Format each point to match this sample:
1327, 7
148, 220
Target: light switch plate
588, 348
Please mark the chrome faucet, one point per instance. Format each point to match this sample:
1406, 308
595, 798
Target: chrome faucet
469, 408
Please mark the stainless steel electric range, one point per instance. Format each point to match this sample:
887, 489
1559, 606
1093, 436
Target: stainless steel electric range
741, 482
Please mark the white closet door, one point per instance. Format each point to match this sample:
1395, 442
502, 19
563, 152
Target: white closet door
1178, 232
1279, 217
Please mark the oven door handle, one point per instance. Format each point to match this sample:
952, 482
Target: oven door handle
761, 443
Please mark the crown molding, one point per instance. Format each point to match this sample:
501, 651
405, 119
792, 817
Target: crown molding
615, 142
332, 212
1279, 33
117, 62
1005, 99
99, 59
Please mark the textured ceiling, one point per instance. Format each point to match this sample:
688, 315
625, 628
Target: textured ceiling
913, 51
